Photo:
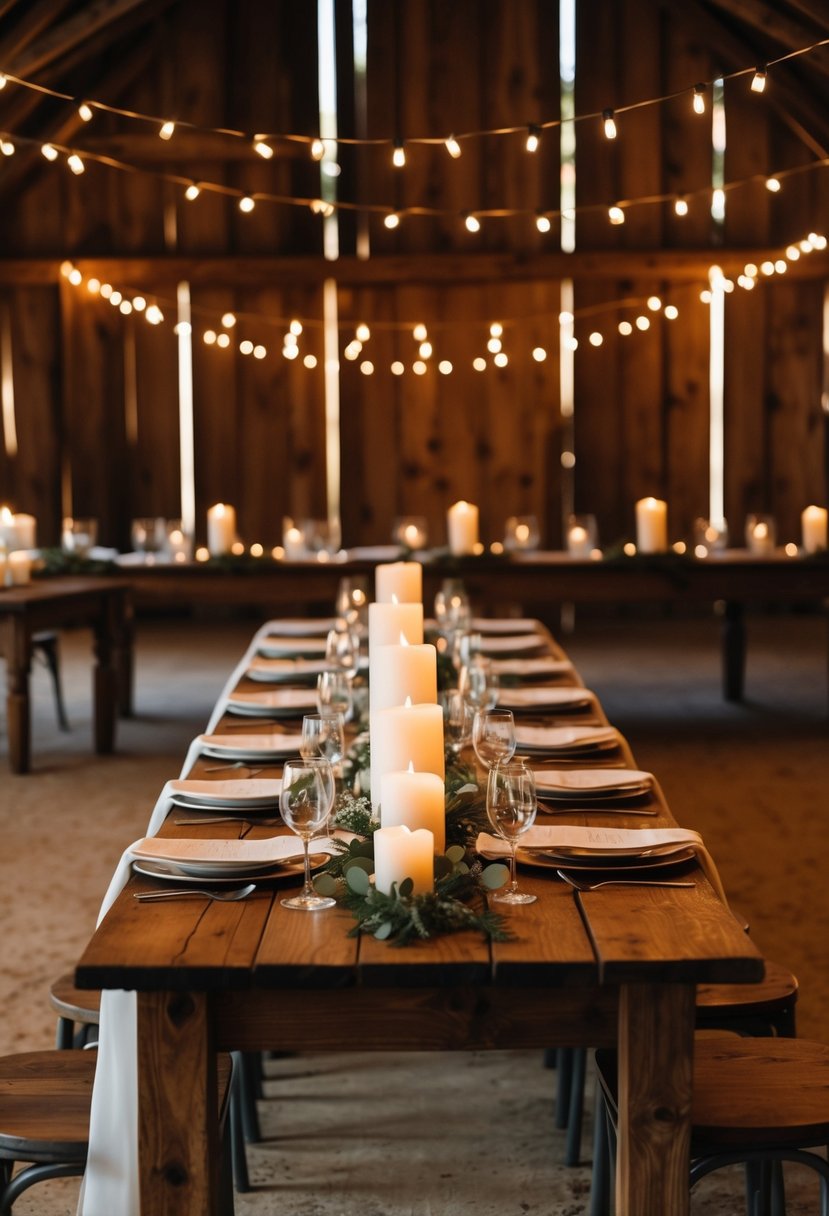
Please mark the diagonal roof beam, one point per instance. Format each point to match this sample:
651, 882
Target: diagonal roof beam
59, 39
768, 19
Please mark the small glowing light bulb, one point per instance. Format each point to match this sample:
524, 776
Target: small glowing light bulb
166, 130
85, 112
419, 332
479, 364
699, 99
223, 340
681, 206
533, 138
259, 352
616, 215
654, 303
75, 277
453, 147
295, 327
246, 347
263, 149
317, 149
76, 164
609, 121
445, 367
397, 368
246, 204
228, 320
392, 220
542, 223
671, 312
595, 338
496, 330
758, 81
192, 192
398, 156
539, 354
625, 328
425, 350
773, 184
49, 152
473, 224
6, 147
362, 332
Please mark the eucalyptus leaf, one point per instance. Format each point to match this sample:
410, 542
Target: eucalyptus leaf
406, 888
469, 788
455, 853
495, 876
359, 863
357, 880
443, 866
325, 884
383, 931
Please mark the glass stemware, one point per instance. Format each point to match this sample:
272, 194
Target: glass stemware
323, 736
511, 807
493, 736
305, 802
334, 693
351, 603
457, 719
478, 683
342, 650
452, 610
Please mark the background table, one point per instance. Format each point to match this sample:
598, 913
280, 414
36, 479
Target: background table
102, 604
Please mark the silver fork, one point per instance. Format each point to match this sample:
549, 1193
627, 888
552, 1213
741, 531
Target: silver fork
218, 768
230, 896
265, 823
579, 885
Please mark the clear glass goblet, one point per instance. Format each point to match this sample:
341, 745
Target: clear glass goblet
511, 808
493, 736
305, 803
323, 735
457, 719
479, 683
342, 650
334, 693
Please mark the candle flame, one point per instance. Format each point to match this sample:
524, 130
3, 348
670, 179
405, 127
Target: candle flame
5, 515
407, 703
404, 641
394, 598
410, 769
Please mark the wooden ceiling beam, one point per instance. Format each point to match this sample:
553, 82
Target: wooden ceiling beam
635, 266
35, 20
771, 21
59, 39
141, 146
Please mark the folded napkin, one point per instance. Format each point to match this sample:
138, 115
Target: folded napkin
275, 698
604, 842
505, 624
532, 667
285, 669
544, 737
590, 779
302, 627
220, 853
511, 644
539, 698
279, 743
299, 647
254, 789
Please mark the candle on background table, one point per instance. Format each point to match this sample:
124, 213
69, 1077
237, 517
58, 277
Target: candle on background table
402, 581
19, 568
462, 527
293, 542
4, 565
760, 534
416, 800
651, 525
8, 529
386, 622
398, 672
813, 522
221, 529
26, 531
399, 854
403, 735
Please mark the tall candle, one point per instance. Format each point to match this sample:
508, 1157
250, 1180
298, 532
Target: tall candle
399, 854
20, 568
398, 672
26, 531
814, 524
462, 527
651, 525
386, 622
400, 580
404, 734
8, 530
416, 800
221, 529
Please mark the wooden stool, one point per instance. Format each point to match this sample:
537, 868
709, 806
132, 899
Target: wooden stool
754, 1101
75, 1007
45, 1099
46, 643
765, 1008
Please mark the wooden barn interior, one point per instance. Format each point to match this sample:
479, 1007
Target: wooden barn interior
340, 267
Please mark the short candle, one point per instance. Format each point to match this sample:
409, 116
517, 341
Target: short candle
651, 525
398, 672
402, 581
416, 800
221, 529
462, 527
814, 524
399, 854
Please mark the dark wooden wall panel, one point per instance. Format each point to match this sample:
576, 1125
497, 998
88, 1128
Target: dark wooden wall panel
685, 357
154, 454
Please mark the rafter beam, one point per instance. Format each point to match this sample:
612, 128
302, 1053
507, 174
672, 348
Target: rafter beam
60, 38
768, 19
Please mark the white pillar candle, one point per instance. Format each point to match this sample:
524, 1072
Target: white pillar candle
26, 531
578, 541
398, 672
20, 568
8, 530
403, 735
3, 568
814, 524
221, 529
399, 854
402, 581
651, 525
760, 538
462, 527
416, 800
386, 622
293, 542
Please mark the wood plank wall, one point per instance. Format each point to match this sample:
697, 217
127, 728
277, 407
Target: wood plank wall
413, 444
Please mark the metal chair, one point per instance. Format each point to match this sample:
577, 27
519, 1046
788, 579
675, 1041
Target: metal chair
45, 644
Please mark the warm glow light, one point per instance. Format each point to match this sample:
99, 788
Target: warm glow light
494, 345
223, 340
419, 332
6, 147
93, 286
790, 549
75, 277
758, 81
397, 368
681, 206
699, 99
565, 318
679, 546
85, 112
114, 299
310, 361
616, 215
153, 314
392, 221
167, 129
781, 266
671, 312
49, 152
496, 329
125, 307
542, 223
419, 368
654, 303
263, 149
643, 323
352, 351
568, 460
595, 338
317, 149
228, 320
453, 147
751, 270
296, 328
445, 367
192, 192
367, 367
425, 350
246, 204
288, 352
473, 224
792, 253
479, 364
237, 548
501, 359
767, 267
539, 354
609, 122
246, 347
291, 339
76, 164
705, 295
257, 550
362, 332
533, 139
259, 352
202, 554
106, 290
773, 184
398, 156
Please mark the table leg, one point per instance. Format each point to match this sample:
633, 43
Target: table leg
656, 1043
18, 651
105, 682
125, 658
733, 652
178, 1132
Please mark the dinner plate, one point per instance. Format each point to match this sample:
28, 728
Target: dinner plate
590, 781
250, 747
499, 625
294, 648
518, 643
533, 699
170, 872
525, 669
302, 627
257, 792
626, 866
286, 671
558, 740
272, 703
576, 797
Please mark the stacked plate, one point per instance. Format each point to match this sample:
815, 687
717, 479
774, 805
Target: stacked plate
303, 627
534, 700
621, 862
592, 786
518, 643
286, 671
565, 740
251, 747
216, 861
273, 703
490, 625
273, 647
529, 669
244, 796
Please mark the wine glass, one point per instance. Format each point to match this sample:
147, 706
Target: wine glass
305, 802
334, 693
511, 806
323, 736
452, 611
342, 650
478, 683
351, 603
493, 736
457, 719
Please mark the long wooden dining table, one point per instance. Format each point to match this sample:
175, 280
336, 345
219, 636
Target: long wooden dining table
615, 968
